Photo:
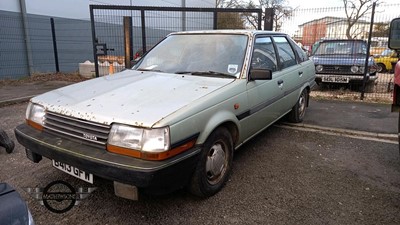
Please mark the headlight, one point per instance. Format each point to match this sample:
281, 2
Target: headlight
138, 142
35, 115
319, 68
354, 69
362, 69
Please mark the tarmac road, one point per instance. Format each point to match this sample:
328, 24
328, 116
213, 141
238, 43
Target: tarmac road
282, 176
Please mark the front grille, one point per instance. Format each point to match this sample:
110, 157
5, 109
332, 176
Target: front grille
77, 128
337, 69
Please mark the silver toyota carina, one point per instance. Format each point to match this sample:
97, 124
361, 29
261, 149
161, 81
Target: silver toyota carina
175, 118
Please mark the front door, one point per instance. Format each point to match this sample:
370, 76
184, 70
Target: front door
264, 95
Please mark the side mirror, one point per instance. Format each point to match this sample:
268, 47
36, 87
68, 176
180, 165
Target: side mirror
394, 34
260, 74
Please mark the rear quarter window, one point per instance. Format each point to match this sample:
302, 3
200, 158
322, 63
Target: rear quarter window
301, 53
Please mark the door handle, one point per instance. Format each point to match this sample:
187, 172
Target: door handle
280, 82
300, 73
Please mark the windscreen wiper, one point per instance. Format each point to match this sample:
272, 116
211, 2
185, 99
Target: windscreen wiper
206, 73
149, 70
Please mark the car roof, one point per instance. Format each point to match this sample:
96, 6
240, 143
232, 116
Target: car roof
336, 40
245, 32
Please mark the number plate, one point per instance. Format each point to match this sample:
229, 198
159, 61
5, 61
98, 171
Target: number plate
88, 177
335, 79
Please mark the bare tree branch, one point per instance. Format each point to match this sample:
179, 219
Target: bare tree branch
356, 9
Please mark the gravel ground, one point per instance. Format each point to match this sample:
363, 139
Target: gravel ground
282, 176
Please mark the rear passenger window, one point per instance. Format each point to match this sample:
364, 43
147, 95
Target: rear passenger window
287, 57
264, 56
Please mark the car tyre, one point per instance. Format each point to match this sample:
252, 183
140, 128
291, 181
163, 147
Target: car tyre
214, 166
381, 68
6, 142
299, 110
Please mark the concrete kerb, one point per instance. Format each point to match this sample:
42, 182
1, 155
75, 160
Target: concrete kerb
389, 138
16, 100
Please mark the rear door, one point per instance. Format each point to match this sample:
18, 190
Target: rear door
292, 71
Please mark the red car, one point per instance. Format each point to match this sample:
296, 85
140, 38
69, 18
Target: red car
394, 43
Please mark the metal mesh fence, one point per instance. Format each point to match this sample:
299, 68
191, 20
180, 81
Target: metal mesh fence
71, 45
13, 64
323, 28
123, 33
148, 25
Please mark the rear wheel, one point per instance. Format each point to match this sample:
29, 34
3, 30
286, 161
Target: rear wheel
214, 166
381, 68
299, 110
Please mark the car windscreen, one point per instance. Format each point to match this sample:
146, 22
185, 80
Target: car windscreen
197, 54
341, 48
388, 53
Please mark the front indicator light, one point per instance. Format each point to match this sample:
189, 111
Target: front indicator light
158, 156
35, 116
319, 68
362, 69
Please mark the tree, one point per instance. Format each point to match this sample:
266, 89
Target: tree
381, 30
230, 21
281, 10
227, 3
356, 9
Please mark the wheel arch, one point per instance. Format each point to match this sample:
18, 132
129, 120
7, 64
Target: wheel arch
221, 119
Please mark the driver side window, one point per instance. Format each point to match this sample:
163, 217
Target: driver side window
264, 56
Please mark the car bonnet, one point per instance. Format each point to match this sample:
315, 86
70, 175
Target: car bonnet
131, 97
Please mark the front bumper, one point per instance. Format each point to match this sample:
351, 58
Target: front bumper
155, 176
351, 78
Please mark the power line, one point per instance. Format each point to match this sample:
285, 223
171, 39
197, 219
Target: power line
100, 2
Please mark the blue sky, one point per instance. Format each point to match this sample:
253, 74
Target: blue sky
326, 3
80, 8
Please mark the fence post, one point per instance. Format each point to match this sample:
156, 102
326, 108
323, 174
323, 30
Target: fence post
183, 15
94, 41
142, 15
215, 21
128, 41
368, 48
27, 37
53, 34
268, 19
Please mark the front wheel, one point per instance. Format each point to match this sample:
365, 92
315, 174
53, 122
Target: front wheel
299, 110
214, 166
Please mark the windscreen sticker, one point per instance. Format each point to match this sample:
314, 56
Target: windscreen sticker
232, 68
151, 67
